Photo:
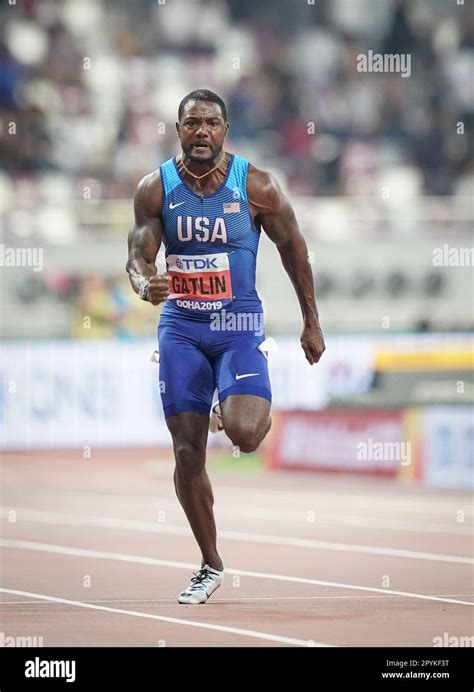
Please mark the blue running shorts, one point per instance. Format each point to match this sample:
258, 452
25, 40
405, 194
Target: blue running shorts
197, 356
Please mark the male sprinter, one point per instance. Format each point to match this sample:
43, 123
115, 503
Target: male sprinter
208, 207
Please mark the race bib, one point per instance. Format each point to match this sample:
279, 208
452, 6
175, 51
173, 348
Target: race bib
200, 282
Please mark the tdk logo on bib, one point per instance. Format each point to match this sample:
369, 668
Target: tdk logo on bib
197, 263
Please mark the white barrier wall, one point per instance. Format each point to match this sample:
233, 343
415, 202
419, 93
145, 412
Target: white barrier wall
59, 394
106, 393
70, 393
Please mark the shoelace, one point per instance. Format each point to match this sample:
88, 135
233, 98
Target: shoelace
199, 578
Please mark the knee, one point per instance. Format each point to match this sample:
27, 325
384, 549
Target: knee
190, 459
246, 437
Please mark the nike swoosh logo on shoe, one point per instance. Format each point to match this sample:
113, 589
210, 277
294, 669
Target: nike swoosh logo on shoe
173, 206
250, 374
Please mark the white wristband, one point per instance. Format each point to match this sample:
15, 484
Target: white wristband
143, 290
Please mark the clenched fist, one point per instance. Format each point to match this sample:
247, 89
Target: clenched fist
312, 342
158, 289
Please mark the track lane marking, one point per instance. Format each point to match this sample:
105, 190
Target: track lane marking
138, 559
115, 523
175, 621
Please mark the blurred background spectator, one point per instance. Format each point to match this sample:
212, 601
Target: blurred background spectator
89, 83
89, 92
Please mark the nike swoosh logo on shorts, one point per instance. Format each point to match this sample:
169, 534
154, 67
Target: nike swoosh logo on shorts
173, 206
250, 374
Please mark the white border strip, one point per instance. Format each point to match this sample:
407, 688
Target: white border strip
55, 518
322, 517
174, 621
442, 505
138, 559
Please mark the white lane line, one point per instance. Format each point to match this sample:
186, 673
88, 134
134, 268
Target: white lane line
175, 621
138, 559
438, 506
56, 518
301, 516
314, 500
230, 601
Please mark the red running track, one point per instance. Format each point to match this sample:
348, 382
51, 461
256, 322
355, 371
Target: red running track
94, 552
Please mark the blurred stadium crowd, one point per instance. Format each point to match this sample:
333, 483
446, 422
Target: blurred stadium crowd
92, 87
89, 82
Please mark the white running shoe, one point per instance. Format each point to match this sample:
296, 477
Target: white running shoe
215, 421
202, 585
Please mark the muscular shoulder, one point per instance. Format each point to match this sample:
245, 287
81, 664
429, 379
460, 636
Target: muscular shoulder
149, 194
263, 190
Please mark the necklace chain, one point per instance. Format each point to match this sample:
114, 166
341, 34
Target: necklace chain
198, 177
